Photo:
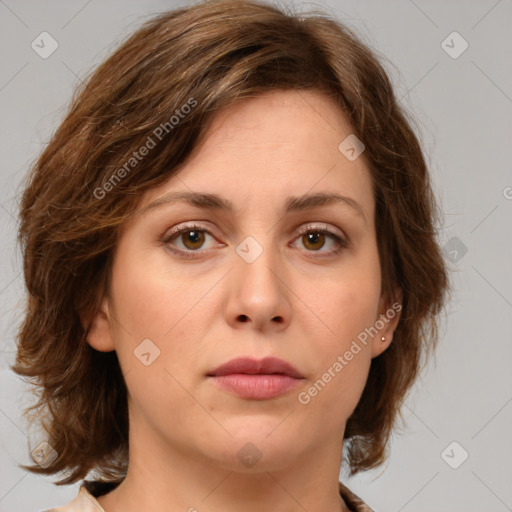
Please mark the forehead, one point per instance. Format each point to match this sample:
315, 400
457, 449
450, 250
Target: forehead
298, 124
269, 148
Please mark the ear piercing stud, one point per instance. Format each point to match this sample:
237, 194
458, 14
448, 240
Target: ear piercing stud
383, 338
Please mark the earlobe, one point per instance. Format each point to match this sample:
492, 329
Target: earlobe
100, 334
386, 324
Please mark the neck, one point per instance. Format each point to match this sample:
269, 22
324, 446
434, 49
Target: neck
162, 476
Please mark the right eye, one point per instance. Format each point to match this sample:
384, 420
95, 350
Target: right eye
191, 237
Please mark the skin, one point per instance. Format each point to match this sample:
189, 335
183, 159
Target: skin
185, 432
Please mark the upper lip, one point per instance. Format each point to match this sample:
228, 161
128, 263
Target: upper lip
250, 366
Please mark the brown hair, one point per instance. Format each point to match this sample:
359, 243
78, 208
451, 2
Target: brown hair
206, 56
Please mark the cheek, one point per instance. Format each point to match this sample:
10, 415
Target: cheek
337, 389
350, 307
350, 302
343, 357
151, 306
150, 303
148, 300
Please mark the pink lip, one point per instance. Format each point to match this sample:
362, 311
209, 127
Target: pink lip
256, 379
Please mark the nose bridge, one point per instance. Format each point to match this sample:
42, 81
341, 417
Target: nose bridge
257, 266
258, 294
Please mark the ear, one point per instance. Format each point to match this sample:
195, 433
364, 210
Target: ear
386, 323
100, 334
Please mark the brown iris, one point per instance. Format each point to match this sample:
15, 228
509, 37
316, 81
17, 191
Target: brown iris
311, 239
193, 237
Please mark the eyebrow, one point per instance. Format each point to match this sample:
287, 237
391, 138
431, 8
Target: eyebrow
292, 204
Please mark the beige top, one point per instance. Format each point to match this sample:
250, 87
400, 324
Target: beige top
86, 502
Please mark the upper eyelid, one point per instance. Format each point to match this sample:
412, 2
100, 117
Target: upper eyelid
321, 226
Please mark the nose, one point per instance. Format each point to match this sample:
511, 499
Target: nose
259, 296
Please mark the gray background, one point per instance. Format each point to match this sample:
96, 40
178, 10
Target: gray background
463, 107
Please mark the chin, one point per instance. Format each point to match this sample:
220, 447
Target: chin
253, 450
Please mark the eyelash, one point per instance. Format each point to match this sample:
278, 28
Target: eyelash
176, 232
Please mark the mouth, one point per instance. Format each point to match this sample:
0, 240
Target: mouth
256, 379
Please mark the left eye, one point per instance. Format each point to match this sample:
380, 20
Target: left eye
315, 239
193, 237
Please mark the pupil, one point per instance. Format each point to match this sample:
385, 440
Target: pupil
192, 238
313, 238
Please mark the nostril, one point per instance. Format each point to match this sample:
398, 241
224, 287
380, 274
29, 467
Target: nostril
243, 318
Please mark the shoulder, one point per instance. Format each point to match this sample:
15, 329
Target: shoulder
83, 502
354, 502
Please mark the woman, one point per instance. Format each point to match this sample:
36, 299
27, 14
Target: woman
232, 267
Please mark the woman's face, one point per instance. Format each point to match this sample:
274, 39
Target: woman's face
277, 275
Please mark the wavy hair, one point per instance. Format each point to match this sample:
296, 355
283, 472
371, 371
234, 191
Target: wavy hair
212, 53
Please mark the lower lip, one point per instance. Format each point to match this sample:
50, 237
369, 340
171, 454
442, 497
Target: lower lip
257, 387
